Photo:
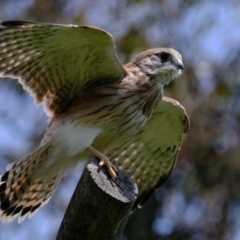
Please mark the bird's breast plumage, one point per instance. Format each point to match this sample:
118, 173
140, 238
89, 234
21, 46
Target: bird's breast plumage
115, 111
120, 107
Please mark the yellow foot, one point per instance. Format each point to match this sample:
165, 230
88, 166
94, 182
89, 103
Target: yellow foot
112, 170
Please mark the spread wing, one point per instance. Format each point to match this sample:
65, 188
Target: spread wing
151, 155
56, 62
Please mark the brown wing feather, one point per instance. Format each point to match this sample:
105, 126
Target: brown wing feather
151, 155
55, 62
145, 195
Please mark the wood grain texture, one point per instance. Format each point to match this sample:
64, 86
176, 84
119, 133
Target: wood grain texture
100, 206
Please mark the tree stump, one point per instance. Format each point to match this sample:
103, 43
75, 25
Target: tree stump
100, 206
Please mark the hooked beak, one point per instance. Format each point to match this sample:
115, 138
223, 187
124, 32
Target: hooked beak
179, 65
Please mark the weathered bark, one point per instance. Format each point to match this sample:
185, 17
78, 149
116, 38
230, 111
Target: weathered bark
100, 206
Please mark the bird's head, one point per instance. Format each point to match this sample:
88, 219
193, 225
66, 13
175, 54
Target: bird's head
164, 64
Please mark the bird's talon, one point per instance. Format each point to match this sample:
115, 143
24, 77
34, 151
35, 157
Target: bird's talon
112, 170
112, 173
101, 163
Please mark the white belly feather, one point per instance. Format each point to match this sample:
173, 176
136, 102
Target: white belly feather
74, 138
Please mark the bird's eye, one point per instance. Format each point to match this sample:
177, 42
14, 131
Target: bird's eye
164, 57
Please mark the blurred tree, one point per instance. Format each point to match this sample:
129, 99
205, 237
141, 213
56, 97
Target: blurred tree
202, 198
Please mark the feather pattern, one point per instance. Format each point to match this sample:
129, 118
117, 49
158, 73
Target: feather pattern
56, 62
27, 185
151, 154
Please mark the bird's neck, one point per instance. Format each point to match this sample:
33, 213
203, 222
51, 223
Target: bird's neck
136, 78
149, 89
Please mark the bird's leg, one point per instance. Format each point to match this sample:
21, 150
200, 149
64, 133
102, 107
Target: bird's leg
112, 170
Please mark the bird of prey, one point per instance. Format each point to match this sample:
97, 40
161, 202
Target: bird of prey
95, 105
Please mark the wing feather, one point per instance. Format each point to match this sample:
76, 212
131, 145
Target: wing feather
151, 155
56, 62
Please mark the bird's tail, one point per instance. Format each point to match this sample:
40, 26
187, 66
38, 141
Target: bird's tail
27, 185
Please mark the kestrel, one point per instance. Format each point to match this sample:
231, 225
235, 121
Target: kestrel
95, 105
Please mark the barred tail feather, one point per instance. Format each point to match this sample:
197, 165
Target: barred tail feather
27, 185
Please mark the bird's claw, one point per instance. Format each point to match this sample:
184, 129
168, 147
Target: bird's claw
112, 170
